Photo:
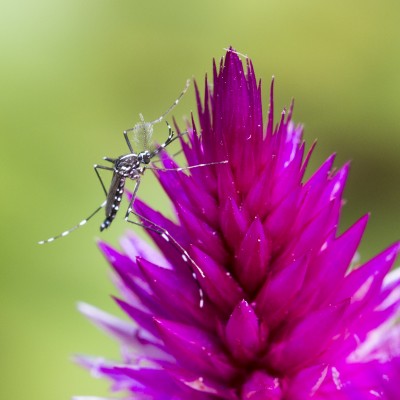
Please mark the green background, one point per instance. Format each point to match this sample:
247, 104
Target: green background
74, 74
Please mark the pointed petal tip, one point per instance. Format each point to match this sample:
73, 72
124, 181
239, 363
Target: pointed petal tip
101, 244
90, 312
347, 164
390, 253
393, 251
242, 332
82, 307
104, 247
291, 109
93, 313
361, 223
113, 256
332, 157
86, 361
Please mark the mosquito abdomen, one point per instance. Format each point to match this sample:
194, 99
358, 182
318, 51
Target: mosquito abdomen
114, 198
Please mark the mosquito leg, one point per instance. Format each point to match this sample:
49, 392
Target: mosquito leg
157, 228
96, 167
127, 140
152, 226
83, 222
188, 167
135, 190
169, 140
111, 160
130, 211
179, 151
175, 103
170, 133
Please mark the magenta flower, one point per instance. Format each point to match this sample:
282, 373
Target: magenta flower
287, 312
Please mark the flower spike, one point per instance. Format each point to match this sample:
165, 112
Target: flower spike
289, 313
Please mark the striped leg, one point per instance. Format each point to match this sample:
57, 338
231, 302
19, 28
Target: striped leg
67, 232
152, 226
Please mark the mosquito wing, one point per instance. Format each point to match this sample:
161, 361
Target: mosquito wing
142, 135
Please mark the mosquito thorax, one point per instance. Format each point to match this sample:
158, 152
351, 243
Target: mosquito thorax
127, 165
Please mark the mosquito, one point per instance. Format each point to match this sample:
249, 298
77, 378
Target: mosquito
132, 166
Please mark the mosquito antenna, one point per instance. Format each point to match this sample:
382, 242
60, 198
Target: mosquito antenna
245, 56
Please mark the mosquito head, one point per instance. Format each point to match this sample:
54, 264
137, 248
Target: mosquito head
144, 157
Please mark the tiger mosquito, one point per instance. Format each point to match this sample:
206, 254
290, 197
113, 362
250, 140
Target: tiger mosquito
132, 166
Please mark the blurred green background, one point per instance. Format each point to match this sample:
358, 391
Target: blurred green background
74, 74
